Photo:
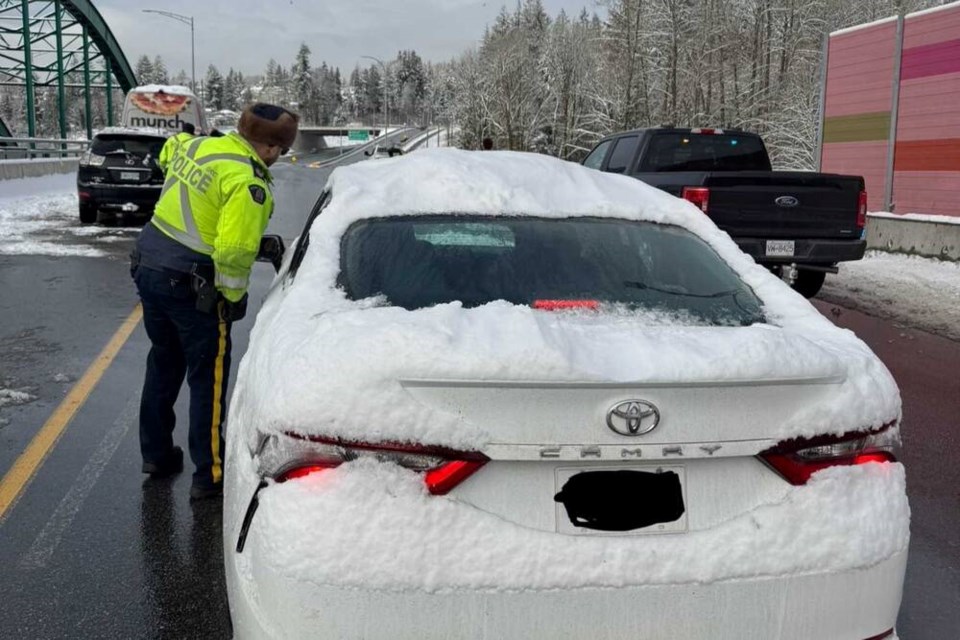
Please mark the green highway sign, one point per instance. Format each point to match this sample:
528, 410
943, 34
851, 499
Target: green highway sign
358, 135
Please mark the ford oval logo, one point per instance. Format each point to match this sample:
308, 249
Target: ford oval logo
787, 201
633, 418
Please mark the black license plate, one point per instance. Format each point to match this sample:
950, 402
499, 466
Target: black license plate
621, 500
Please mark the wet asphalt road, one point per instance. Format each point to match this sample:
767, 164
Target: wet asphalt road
92, 550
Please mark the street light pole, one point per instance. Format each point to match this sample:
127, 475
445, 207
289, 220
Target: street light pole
386, 108
193, 51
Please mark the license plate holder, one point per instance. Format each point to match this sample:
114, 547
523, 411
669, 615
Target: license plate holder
130, 176
781, 248
630, 488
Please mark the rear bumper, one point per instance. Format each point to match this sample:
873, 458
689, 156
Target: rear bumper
115, 197
852, 605
412, 566
806, 251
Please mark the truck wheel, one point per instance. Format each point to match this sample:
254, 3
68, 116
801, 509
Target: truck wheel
88, 213
808, 283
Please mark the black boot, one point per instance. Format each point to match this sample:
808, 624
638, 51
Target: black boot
204, 492
171, 464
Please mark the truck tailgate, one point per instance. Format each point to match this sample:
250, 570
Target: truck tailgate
789, 205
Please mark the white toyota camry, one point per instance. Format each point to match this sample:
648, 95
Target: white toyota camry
497, 395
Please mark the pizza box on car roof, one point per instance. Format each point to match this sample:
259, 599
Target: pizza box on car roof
163, 107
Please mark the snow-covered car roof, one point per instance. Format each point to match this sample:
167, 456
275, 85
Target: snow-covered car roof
133, 131
321, 363
172, 89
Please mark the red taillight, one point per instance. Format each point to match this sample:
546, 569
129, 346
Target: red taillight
699, 196
83, 195
862, 210
707, 131
443, 479
561, 305
293, 456
299, 472
798, 459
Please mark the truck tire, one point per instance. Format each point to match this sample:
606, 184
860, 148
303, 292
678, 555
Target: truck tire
88, 213
808, 283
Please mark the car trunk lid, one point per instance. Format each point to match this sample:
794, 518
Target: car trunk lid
559, 420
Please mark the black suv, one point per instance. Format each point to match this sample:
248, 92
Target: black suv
120, 174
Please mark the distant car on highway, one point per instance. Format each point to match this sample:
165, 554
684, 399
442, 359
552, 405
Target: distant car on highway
498, 395
381, 151
119, 174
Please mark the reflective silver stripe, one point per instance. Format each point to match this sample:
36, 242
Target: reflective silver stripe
186, 211
194, 146
172, 180
186, 240
231, 282
236, 157
189, 224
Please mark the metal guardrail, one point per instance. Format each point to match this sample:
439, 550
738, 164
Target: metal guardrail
29, 148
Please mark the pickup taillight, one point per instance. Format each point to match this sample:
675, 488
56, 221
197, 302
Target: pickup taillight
862, 210
699, 196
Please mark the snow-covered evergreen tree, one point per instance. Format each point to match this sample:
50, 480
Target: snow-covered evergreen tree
144, 70
213, 89
160, 75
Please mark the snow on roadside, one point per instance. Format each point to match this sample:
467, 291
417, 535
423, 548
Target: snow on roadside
34, 213
916, 217
921, 292
12, 397
22, 187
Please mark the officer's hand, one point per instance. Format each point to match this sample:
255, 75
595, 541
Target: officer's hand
233, 311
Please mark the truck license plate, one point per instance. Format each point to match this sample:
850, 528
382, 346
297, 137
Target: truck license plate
130, 175
782, 248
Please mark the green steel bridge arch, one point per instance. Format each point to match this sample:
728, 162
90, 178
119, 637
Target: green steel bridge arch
64, 44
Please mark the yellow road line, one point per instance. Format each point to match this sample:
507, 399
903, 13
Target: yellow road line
26, 466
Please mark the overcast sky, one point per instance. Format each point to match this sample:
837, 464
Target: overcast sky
244, 34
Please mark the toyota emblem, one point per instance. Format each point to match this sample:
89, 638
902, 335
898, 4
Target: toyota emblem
633, 418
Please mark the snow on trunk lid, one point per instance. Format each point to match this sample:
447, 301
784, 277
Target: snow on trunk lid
556, 420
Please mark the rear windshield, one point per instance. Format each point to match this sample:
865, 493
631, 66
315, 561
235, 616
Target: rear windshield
137, 145
415, 262
704, 152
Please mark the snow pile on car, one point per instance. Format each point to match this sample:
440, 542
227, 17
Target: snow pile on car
320, 363
133, 131
391, 535
172, 89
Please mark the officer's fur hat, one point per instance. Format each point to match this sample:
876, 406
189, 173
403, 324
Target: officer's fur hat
269, 124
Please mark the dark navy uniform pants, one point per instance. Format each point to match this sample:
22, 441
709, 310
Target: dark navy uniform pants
185, 343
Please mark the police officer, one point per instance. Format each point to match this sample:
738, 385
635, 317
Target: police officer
173, 143
192, 266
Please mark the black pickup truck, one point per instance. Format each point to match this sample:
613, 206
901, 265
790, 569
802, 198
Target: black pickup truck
797, 224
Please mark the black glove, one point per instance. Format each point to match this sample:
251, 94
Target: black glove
233, 311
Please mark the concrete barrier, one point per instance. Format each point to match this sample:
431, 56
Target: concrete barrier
13, 169
919, 237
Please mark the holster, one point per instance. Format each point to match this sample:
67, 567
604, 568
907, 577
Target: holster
201, 280
134, 262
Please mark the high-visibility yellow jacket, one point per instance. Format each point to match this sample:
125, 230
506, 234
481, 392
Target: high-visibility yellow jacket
170, 147
217, 201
